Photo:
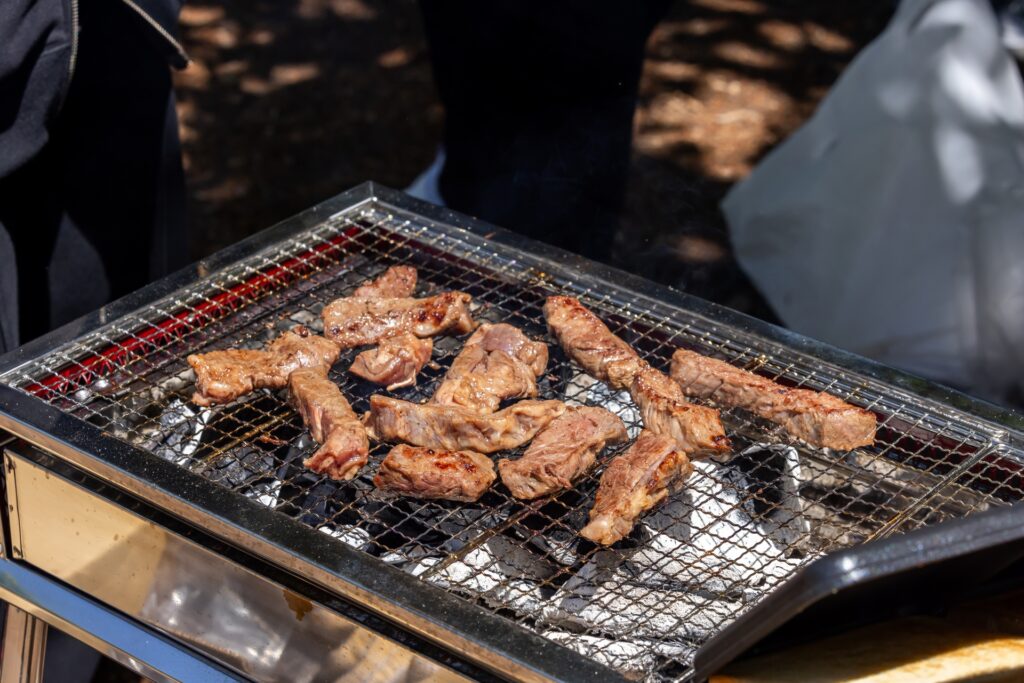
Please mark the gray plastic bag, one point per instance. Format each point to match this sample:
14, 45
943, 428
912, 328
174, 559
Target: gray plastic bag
892, 223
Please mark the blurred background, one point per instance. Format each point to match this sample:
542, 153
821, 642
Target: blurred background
289, 103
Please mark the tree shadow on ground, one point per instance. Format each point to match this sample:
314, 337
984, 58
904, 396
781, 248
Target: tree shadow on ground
724, 82
289, 103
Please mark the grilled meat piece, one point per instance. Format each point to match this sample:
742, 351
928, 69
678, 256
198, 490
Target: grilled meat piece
665, 410
511, 340
818, 418
562, 452
634, 483
395, 362
223, 376
344, 445
425, 473
354, 321
590, 343
498, 362
456, 428
489, 379
394, 283
696, 430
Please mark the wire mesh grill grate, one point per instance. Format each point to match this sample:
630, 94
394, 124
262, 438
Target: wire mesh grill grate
738, 529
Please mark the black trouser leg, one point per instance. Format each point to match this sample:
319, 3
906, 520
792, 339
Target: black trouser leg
539, 100
99, 213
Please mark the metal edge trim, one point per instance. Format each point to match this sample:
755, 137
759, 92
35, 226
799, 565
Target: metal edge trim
454, 624
150, 653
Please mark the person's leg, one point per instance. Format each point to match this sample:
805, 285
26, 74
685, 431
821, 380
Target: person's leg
8, 292
119, 177
539, 100
30, 213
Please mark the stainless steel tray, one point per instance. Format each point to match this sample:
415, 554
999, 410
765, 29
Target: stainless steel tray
507, 584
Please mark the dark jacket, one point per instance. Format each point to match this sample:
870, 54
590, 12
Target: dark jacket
37, 61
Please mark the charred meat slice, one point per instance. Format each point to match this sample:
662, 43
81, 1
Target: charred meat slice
427, 473
223, 376
589, 342
634, 483
696, 430
665, 410
455, 428
344, 445
818, 418
394, 283
355, 321
490, 378
395, 362
498, 362
562, 452
511, 340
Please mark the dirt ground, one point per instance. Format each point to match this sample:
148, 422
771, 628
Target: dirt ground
288, 103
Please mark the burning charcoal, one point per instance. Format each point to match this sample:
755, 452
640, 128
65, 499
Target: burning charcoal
325, 502
773, 476
240, 466
559, 542
560, 545
349, 535
416, 560
504, 574
460, 524
705, 560
178, 432
266, 492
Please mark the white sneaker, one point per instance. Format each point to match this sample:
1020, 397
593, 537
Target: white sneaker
427, 185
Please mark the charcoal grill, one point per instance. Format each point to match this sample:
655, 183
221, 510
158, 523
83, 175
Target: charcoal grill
199, 530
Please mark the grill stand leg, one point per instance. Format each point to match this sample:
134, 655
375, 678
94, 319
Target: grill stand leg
24, 647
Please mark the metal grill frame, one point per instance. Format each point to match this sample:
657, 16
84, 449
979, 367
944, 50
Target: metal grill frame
484, 637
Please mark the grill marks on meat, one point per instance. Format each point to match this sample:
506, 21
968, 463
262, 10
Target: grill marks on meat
818, 418
664, 408
355, 321
223, 376
344, 446
489, 379
562, 452
394, 283
456, 428
511, 340
589, 342
437, 474
634, 483
696, 430
498, 362
395, 362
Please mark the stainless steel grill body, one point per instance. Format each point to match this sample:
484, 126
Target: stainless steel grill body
507, 583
